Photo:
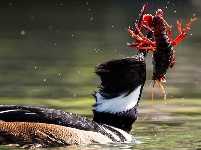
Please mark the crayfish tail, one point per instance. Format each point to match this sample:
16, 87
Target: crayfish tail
162, 79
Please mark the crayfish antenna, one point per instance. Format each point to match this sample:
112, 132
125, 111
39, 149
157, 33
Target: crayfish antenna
162, 89
158, 83
152, 101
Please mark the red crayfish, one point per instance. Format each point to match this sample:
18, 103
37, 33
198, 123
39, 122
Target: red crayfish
162, 43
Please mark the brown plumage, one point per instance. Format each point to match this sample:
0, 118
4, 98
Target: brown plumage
31, 135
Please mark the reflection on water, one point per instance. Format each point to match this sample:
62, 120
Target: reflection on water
170, 137
49, 51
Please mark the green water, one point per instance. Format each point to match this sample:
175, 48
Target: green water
48, 51
172, 126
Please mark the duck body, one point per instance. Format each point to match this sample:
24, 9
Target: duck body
115, 111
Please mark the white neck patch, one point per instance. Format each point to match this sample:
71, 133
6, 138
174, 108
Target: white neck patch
117, 104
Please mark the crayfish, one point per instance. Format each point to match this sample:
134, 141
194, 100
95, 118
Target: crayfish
161, 44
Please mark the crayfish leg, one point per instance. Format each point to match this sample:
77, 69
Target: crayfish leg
169, 29
183, 33
179, 23
140, 20
146, 48
147, 27
142, 39
133, 44
139, 32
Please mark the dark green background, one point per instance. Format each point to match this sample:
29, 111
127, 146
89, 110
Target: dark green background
48, 51
50, 48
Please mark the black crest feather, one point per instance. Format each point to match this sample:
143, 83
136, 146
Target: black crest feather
121, 75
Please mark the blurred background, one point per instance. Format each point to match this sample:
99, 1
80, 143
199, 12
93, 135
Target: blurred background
48, 49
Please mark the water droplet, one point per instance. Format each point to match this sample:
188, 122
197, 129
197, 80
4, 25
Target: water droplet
91, 18
72, 35
22, 32
35, 67
193, 14
175, 11
44, 80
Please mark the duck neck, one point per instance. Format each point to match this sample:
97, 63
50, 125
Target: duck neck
120, 112
120, 90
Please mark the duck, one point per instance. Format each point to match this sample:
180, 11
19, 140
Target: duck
114, 112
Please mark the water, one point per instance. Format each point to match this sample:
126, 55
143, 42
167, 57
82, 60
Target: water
49, 51
171, 126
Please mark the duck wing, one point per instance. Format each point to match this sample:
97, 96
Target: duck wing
13, 113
